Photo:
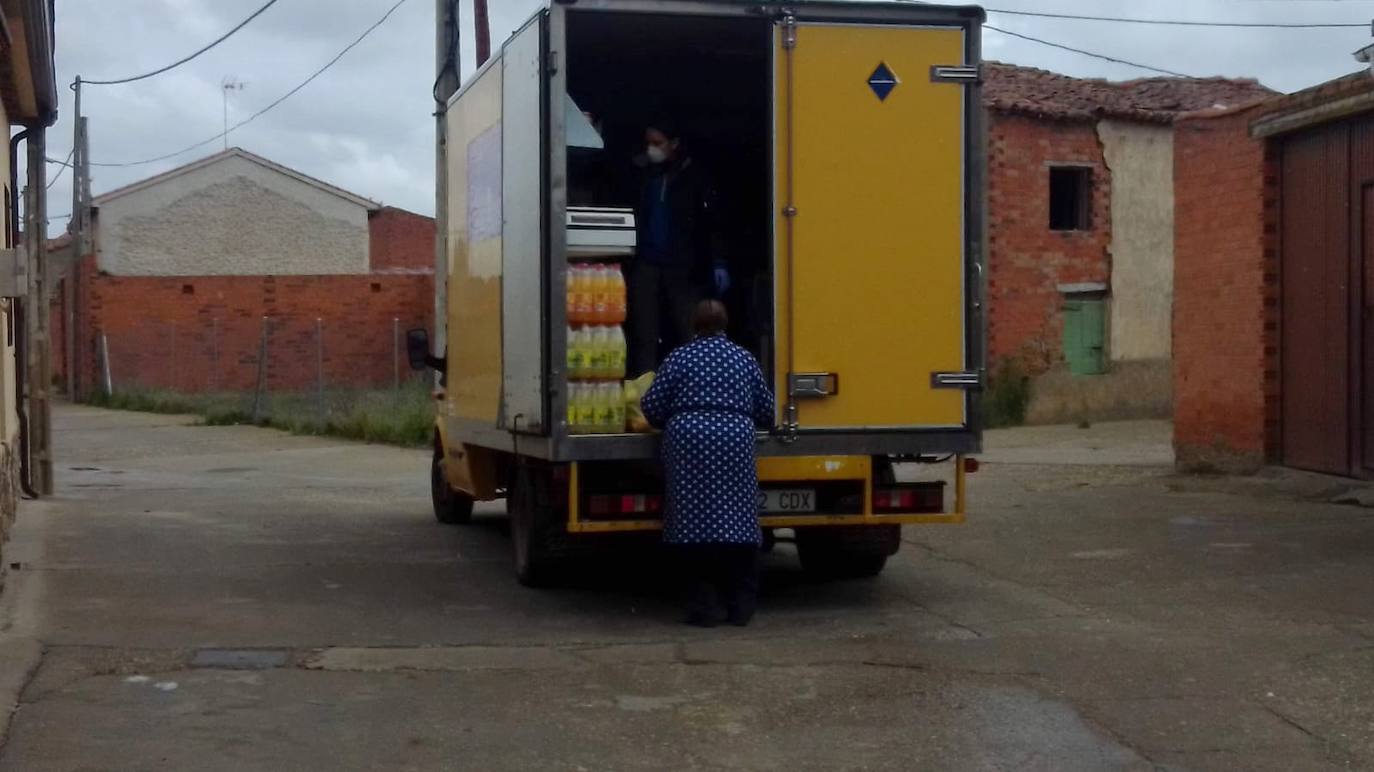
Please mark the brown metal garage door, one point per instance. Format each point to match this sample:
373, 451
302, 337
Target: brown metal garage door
1327, 254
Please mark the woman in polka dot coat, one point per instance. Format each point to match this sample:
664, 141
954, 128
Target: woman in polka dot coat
709, 397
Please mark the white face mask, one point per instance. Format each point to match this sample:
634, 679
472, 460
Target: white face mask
657, 154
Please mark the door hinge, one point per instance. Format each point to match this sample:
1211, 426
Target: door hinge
789, 32
553, 62
955, 73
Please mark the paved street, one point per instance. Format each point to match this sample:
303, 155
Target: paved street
235, 598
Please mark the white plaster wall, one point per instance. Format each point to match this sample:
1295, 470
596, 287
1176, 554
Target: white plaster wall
232, 217
9, 365
1141, 159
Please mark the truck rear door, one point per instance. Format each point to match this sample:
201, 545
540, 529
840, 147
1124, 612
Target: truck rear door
871, 271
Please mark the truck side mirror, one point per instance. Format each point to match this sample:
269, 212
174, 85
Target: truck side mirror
417, 348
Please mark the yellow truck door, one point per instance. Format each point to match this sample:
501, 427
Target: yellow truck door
870, 259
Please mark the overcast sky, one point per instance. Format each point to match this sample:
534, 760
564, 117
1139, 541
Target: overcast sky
365, 124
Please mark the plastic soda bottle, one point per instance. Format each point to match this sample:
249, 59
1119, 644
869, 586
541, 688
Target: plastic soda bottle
617, 305
582, 277
586, 408
601, 294
576, 353
572, 294
619, 351
573, 363
617, 407
605, 409
602, 361
574, 393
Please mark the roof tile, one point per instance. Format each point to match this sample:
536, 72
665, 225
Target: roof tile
1041, 93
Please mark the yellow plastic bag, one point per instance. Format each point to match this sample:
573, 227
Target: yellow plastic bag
634, 392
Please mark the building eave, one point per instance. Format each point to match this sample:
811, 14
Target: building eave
236, 152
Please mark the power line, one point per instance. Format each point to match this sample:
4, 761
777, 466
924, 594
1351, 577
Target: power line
264, 110
1184, 23
64, 164
180, 62
1093, 54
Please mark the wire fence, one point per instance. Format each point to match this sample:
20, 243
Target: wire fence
308, 375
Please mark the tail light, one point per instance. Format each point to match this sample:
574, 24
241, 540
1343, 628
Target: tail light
923, 497
970, 465
612, 506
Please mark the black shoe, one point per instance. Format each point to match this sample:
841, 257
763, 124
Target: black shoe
699, 619
740, 618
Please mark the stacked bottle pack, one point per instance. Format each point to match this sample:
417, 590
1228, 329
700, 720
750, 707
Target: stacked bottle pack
596, 349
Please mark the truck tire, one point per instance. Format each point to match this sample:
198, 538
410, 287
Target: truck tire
847, 552
450, 507
537, 540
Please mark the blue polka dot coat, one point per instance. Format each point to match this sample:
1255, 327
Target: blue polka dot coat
708, 397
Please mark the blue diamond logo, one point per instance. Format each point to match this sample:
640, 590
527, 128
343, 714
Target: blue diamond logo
882, 81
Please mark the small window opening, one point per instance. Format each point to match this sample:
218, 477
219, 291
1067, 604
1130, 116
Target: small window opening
376, 287
188, 289
1070, 198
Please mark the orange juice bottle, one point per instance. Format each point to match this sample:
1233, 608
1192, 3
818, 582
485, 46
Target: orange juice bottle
572, 294
601, 289
582, 279
616, 306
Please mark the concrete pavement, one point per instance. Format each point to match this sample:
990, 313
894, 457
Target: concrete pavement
236, 598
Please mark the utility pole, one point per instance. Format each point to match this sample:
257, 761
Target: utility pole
80, 229
38, 368
448, 69
482, 28
227, 85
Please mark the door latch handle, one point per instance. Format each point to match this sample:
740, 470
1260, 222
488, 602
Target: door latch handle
813, 384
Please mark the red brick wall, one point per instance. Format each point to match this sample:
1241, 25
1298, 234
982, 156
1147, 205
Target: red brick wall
1026, 260
195, 334
1225, 301
400, 241
205, 333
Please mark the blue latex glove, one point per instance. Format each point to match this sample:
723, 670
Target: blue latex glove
722, 281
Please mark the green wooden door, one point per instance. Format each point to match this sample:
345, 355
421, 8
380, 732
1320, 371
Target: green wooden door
1085, 323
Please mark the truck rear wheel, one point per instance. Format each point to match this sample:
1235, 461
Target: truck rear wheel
847, 552
535, 530
450, 507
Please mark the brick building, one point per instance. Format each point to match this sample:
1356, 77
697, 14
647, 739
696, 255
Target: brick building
1273, 327
28, 101
204, 272
1080, 233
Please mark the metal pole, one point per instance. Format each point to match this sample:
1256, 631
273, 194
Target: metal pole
106, 381
448, 71
395, 354
262, 373
174, 356
214, 355
319, 367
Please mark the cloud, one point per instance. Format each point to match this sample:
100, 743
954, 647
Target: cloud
366, 124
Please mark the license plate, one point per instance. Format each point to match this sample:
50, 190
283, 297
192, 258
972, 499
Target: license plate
787, 500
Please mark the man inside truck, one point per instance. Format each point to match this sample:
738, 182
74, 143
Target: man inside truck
678, 258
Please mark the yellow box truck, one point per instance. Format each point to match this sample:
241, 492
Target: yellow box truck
844, 146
